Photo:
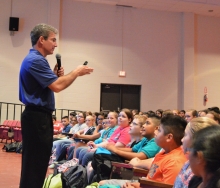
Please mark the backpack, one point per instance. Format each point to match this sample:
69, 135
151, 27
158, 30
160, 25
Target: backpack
10, 147
102, 166
19, 148
53, 181
73, 177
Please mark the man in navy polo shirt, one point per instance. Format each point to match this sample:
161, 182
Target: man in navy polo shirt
37, 84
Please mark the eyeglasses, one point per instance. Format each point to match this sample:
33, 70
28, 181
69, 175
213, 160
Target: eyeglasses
99, 119
133, 123
80, 117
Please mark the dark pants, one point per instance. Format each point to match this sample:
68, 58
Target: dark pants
37, 134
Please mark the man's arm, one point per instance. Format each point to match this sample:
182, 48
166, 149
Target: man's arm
64, 81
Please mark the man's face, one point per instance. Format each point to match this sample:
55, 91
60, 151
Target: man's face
49, 44
65, 122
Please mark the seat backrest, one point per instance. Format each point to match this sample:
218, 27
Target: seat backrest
145, 183
5, 122
18, 124
10, 122
14, 123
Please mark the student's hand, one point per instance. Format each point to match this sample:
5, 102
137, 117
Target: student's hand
76, 135
92, 150
90, 142
134, 162
111, 147
131, 185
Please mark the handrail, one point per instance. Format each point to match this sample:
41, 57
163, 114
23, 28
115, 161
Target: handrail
6, 108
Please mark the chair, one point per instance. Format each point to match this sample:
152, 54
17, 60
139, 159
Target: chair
127, 171
8, 133
2, 128
145, 183
17, 132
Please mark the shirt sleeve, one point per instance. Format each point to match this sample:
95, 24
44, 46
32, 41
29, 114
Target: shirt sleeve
150, 149
42, 72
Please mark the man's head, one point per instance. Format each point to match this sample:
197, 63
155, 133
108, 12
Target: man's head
43, 36
65, 121
150, 127
136, 125
170, 132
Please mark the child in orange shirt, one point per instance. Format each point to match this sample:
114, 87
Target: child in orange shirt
170, 160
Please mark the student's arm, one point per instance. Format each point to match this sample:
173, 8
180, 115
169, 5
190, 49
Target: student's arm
129, 155
112, 147
80, 132
64, 81
97, 128
88, 137
146, 164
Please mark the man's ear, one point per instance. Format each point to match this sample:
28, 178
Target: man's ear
41, 39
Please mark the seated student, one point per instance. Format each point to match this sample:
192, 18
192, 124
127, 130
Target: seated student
203, 113
182, 114
66, 126
190, 114
96, 134
168, 162
146, 148
58, 143
78, 137
213, 115
120, 137
84, 154
193, 126
204, 158
57, 126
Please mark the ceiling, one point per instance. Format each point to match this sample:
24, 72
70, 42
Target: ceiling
201, 7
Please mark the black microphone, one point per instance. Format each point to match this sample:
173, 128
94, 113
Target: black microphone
58, 57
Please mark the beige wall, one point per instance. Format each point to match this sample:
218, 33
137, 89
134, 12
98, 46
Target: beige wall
172, 55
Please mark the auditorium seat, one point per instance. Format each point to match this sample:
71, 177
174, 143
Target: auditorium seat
145, 183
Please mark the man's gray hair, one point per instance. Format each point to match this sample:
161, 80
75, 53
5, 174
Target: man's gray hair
41, 30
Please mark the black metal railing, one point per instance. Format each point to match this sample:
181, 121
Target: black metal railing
13, 111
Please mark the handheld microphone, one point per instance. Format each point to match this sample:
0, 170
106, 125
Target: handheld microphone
58, 57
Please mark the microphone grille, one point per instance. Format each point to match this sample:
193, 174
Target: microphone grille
58, 56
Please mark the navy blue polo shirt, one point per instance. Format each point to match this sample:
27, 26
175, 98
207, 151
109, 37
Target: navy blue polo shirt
34, 79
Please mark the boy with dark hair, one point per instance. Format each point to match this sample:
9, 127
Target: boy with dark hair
169, 161
66, 125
